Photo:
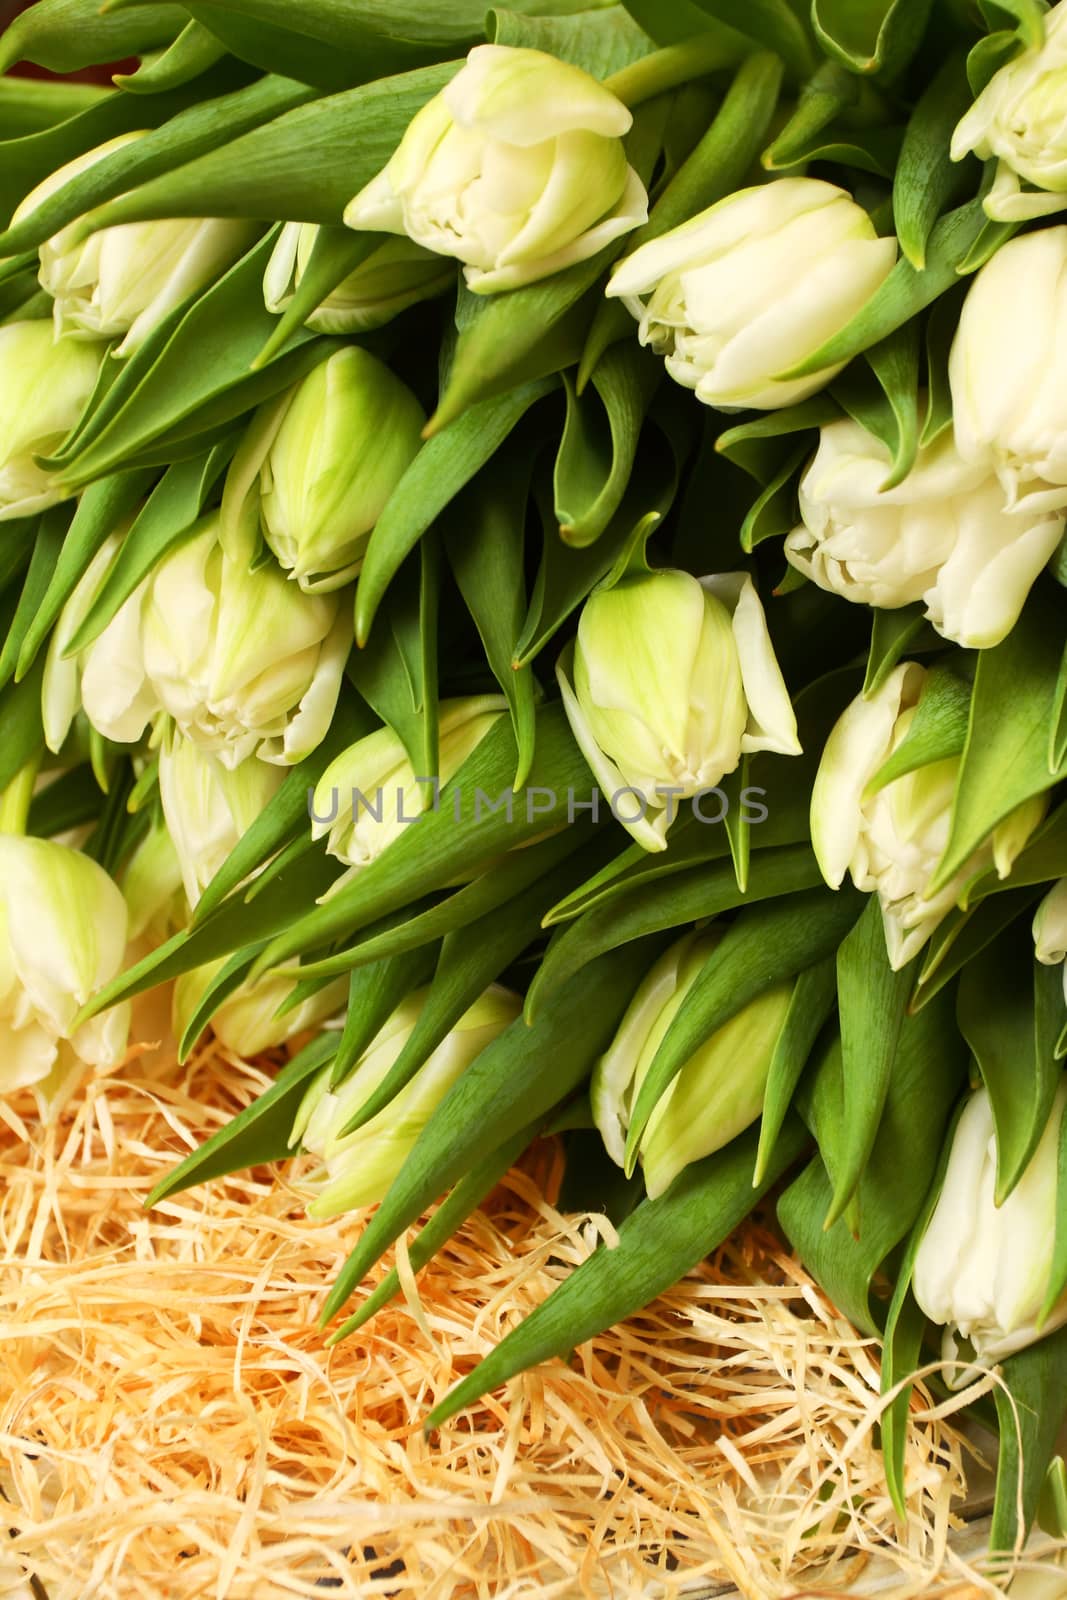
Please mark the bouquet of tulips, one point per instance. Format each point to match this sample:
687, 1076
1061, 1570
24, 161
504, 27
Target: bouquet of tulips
533, 558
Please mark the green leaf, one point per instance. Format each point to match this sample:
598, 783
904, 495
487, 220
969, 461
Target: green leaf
100, 511
904, 293
755, 446
51, 532
713, 169
1057, 1278
567, 574
892, 634
662, 903
258, 1134
937, 731
675, 21
1010, 1013
814, 994
464, 1199
483, 531
773, 513
873, 150
1020, 24
193, 52
602, 40
926, 179
285, 816
20, 717
32, 105
395, 672
658, 1244
168, 517
599, 441
442, 467
335, 253
870, 36
516, 1080
766, 944
827, 94
871, 1002
471, 959
773, 24
68, 801
305, 165
66, 35
941, 327
189, 133
226, 982
374, 993
1031, 1407
962, 936
1005, 761
458, 838
928, 1072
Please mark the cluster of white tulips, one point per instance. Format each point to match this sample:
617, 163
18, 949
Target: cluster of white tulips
535, 593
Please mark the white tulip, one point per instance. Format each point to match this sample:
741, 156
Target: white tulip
1009, 403
45, 384
62, 937
394, 276
982, 1270
943, 535
516, 168
718, 1093
674, 679
208, 807
247, 1021
317, 465
891, 841
1020, 117
370, 793
124, 280
242, 661
750, 288
1050, 930
357, 1168
151, 883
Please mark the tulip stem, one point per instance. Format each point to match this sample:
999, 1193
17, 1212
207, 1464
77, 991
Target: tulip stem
676, 64
16, 798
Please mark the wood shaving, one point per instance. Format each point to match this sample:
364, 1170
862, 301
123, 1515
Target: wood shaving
172, 1424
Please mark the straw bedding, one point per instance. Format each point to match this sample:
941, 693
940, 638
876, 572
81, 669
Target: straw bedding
172, 1424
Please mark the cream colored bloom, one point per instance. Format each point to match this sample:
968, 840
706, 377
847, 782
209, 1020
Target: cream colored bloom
45, 384
516, 168
370, 793
1020, 117
891, 841
124, 280
738, 295
1009, 402
317, 465
357, 1168
718, 1093
982, 1270
943, 535
247, 1021
62, 938
209, 807
394, 276
672, 679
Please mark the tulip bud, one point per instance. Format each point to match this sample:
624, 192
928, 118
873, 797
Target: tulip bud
718, 1093
242, 660
124, 280
1050, 930
752, 287
983, 1270
247, 1022
1009, 405
152, 886
1021, 117
394, 276
318, 465
675, 678
62, 937
371, 792
943, 535
892, 840
516, 168
357, 1168
45, 384
208, 807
